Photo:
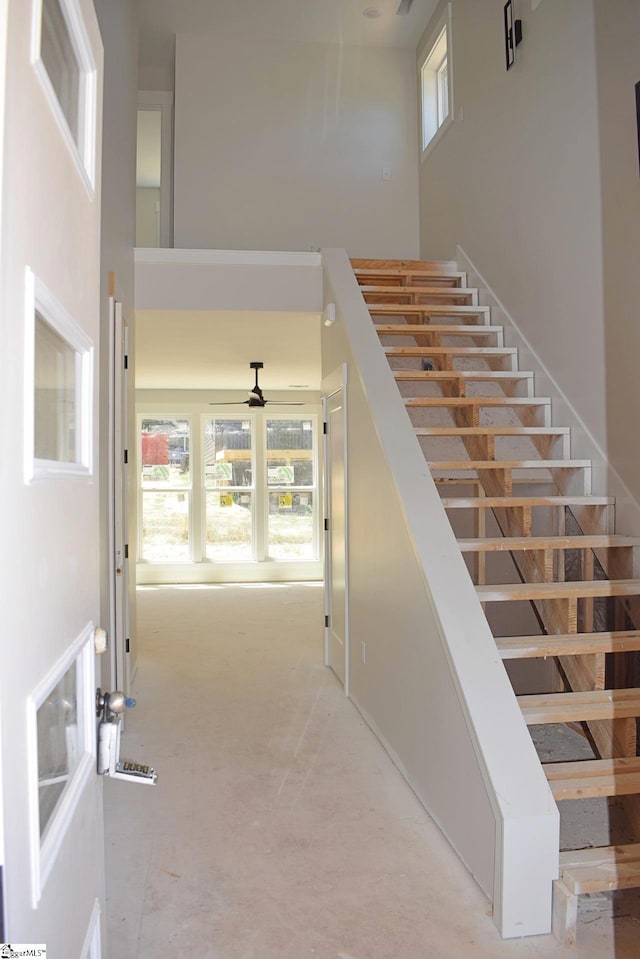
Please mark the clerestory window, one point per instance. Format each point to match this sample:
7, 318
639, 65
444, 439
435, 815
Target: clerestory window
435, 82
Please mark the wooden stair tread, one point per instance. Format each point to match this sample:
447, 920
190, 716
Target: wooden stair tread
581, 541
586, 768
567, 644
507, 502
579, 707
429, 270
455, 279
427, 309
477, 375
396, 263
597, 855
591, 778
443, 402
581, 589
502, 351
491, 430
508, 464
601, 868
442, 329
458, 291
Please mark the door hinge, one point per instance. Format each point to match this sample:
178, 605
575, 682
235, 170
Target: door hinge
326, 525
126, 551
126, 645
126, 362
324, 428
126, 457
326, 621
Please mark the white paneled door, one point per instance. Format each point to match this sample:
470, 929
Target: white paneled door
51, 799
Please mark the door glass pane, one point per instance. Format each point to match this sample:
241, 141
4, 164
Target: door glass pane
59, 743
54, 395
291, 525
290, 452
228, 454
165, 454
61, 63
165, 526
148, 175
229, 526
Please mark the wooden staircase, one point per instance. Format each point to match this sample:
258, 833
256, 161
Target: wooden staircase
541, 549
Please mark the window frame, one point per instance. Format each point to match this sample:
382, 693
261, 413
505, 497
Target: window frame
39, 299
162, 101
83, 148
45, 847
275, 489
433, 125
259, 490
201, 555
189, 490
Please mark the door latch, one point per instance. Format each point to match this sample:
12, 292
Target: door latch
109, 707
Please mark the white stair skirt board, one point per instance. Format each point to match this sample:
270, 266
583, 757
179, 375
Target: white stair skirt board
484, 737
606, 479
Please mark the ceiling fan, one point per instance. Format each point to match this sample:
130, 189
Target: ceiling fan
256, 399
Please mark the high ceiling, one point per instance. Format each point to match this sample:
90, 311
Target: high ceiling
326, 21
212, 349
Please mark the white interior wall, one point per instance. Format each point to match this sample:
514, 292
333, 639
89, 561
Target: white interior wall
431, 683
227, 280
282, 145
515, 182
618, 65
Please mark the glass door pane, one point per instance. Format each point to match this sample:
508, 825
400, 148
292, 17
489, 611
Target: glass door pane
290, 452
165, 459
56, 387
291, 472
291, 526
61, 63
229, 485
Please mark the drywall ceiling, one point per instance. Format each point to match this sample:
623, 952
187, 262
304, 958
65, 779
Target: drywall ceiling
324, 21
212, 349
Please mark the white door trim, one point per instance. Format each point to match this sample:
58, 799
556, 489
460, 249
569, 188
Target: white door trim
336, 382
4, 5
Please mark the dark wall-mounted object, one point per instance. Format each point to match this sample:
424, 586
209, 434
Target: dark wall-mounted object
512, 34
638, 117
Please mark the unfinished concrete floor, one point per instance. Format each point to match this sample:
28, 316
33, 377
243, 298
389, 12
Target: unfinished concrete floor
280, 829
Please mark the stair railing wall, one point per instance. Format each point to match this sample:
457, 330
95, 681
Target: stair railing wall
429, 680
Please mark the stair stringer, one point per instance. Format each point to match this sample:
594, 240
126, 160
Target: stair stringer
440, 701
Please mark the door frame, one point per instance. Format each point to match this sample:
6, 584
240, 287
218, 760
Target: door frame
119, 569
4, 10
335, 382
162, 102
